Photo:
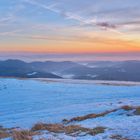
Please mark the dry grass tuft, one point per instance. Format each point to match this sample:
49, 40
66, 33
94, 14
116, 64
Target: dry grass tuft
119, 137
56, 128
39, 126
22, 135
137, 111
97, 130
77, 130
127, 108
4, 132
89, 116
69, 130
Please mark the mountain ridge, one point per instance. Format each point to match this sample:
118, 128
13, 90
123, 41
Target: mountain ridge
96, 70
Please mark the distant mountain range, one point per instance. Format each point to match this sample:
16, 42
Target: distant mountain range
97, 70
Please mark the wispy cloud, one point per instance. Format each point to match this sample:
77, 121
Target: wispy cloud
83, 22
72, 16
6, 19
11, 33
39, 4
107, 25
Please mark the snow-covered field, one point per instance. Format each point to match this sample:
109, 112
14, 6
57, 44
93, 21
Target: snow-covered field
25, 102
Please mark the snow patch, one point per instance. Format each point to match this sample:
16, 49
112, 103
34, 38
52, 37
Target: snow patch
33, 73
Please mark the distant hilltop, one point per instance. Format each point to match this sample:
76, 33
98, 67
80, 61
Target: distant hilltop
93, 70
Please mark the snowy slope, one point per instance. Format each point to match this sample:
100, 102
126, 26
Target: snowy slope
25, 102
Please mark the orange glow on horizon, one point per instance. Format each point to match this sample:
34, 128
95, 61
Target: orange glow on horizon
75, 47
78, 45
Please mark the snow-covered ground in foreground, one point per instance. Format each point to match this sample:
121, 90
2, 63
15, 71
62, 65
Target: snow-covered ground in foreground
26, 102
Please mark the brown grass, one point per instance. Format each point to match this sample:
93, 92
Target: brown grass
56, 128
75, 130
91, 116
97, 130
22, 135
16, 133
47, 139
72, 130
3, 132
69, 130
127, 108
119, 137
137, 111
26, 135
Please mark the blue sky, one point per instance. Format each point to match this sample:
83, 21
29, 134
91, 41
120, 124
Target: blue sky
69, 26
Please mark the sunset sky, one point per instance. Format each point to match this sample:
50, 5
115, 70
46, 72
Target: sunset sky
95, 29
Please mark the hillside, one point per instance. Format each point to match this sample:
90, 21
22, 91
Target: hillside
98, 70
36, 110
